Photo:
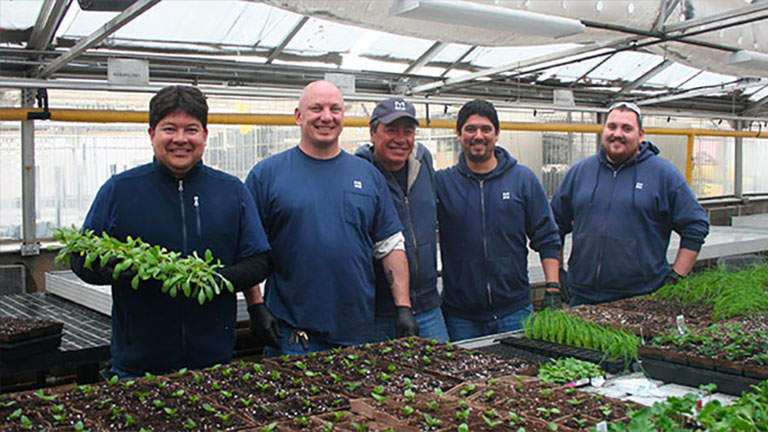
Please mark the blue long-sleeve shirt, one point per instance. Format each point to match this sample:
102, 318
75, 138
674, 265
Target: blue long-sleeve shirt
621, 218
485, 226
417, 209
207, 209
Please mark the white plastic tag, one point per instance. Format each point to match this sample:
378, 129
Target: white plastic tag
680, 321
601, 427
597, 381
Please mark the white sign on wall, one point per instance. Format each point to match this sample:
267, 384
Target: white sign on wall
127, 71
345, 82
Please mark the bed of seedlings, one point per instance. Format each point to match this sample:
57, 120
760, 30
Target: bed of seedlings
13, 329
403, 385
566, 335
714, 320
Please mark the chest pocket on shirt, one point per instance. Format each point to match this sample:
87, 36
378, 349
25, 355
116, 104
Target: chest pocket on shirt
358, 208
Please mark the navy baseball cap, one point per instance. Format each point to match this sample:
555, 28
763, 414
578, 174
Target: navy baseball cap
392, 109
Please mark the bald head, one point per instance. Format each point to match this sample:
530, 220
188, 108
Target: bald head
320, 115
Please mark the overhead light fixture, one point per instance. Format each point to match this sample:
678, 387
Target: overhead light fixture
478, 15
750, 59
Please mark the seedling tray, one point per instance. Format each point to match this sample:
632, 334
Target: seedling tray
692, 376
21, 350
555, 350
512, 352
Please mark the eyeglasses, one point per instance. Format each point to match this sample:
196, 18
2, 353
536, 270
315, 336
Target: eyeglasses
627, 105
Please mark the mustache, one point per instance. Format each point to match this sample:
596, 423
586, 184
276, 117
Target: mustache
618, 139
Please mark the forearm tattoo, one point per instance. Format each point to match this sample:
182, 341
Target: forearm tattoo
390, 278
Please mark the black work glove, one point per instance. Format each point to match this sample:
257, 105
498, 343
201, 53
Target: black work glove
565, 291
672, 278
108, 271
552, 296
405, 324
264, 326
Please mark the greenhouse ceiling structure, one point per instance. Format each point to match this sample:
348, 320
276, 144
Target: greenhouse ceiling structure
708, 56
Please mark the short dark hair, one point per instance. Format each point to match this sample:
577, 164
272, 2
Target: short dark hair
374, 125
479, 107
178, 98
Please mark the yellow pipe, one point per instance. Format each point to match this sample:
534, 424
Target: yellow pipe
689, 160
113, 116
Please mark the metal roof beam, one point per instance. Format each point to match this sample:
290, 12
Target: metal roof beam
287, 39
425, 58
717, 18
667, 6
458, 61
519, 65
592, 69
99, 35
756, 107
706, 91
646, 76
47, 23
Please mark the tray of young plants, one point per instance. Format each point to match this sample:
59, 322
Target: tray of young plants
730, 350
21, 337
702, 299
732, 354
192, 276
556, 334
645, 316
363, 388
749, 413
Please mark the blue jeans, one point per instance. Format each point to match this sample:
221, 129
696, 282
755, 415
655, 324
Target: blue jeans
314, 343
431, 326
460, 328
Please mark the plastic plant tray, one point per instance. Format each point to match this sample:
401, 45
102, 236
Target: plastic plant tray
555, 350
692, 376
23, 349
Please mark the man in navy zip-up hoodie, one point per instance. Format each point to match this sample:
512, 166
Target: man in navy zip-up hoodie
621, 205
489, 206
180, 204
407, 167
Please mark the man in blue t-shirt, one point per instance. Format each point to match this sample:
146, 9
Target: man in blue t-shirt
327, 215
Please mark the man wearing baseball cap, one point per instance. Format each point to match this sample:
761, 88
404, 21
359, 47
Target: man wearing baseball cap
621, 206
408, 170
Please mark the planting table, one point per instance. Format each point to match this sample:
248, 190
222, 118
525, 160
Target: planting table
84, 342
85, 336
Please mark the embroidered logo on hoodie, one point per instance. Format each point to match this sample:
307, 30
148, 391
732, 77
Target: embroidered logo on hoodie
357, 184
505, 196
639, 185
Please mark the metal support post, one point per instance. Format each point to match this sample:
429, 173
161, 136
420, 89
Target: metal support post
29, 244
738, 163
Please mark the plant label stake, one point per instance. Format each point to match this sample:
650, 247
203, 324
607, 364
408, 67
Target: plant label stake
597, 381
601, 427
680, 320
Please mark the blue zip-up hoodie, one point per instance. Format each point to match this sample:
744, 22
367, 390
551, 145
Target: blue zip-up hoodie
417, 210
207, 209
621, 219
484, 229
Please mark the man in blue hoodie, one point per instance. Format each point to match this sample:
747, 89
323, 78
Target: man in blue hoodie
489, 207
185, 206
621, 206
407, 167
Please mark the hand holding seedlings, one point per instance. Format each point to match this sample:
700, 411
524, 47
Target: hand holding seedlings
193, 276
